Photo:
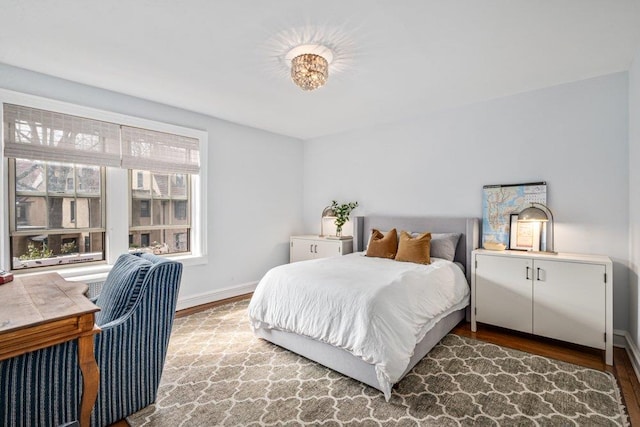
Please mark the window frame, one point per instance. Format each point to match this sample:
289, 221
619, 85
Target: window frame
117, 238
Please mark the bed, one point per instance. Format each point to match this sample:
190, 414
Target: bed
397, 351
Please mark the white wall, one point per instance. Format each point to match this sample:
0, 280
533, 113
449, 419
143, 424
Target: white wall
254, 188
573, 136
634, 199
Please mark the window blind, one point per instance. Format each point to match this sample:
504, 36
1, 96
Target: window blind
36, 134
31, 133
159, 152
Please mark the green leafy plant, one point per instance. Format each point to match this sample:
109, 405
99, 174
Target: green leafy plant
34, 252
68, 248
158, 248
342, 213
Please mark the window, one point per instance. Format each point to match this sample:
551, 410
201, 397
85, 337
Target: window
160, 211
58, 217
145, 208
65, 167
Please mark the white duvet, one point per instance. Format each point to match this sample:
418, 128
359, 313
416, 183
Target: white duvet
377, 309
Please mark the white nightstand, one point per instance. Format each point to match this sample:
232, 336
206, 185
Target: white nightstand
568, 297
311, 247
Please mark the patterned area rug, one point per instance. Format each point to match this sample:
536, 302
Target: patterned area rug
218, 373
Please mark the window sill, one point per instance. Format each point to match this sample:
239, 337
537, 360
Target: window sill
97, 273
189, 260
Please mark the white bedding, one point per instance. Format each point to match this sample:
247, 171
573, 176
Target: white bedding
377, 309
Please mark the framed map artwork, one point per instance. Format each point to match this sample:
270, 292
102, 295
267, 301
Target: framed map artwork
500, 201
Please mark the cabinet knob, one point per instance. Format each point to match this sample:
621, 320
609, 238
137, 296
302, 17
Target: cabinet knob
311, 248
538, 275
315, 247
528, 278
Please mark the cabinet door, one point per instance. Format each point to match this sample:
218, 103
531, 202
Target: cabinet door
301, 250
569, 302
328, 248
503, 292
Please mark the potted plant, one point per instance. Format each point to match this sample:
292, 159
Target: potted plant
342, 213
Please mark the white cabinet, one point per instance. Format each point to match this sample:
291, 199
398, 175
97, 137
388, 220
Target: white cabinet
568, 297
311, 247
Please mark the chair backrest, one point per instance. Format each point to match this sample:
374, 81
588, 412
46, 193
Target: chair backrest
122, 287
131, 350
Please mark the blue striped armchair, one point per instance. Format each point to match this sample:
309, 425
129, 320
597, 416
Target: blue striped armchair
138, 302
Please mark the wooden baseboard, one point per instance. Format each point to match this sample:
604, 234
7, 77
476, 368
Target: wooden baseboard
215, 295
632, 351
202, 307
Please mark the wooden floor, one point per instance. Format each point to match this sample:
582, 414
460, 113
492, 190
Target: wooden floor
583, 356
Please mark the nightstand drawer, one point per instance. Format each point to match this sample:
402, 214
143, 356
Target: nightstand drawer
311, 247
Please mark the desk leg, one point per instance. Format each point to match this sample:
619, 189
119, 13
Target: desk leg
90, 378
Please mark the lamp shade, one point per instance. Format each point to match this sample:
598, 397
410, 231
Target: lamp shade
309, 65
533, 214
309, 71
328, 212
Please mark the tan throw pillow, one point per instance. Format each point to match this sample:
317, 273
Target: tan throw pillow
414, 249
383, 246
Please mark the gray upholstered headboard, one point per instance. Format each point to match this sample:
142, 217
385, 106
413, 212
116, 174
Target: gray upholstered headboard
468, 227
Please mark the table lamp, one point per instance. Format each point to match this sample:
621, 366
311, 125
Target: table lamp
326, 213
539, 214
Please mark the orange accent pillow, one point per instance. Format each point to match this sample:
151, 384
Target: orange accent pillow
414, 249
383, 246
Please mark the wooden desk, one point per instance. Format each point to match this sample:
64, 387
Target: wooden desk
44, 310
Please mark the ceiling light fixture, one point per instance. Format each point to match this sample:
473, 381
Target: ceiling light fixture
309, 65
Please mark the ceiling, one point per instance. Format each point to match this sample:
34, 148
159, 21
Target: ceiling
393, 59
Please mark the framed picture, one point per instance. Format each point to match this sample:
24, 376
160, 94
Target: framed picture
524, 236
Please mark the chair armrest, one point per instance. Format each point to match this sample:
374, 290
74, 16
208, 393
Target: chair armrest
114, 324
